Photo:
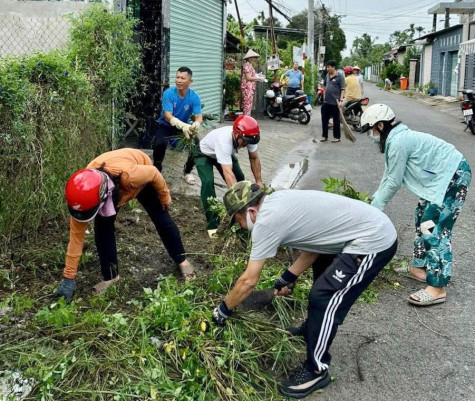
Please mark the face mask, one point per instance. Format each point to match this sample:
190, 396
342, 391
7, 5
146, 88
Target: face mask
250, 224
375, 139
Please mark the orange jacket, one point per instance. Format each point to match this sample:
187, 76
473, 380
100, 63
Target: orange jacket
136, 171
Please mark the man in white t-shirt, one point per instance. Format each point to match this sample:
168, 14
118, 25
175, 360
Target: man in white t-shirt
217, 149
346, 242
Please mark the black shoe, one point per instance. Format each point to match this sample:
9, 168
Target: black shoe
303, 381
297, 331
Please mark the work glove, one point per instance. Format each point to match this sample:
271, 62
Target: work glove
221, 313
184, 127
195, 127
285, 280
66, 289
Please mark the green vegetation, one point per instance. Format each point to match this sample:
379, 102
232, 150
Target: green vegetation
50, 106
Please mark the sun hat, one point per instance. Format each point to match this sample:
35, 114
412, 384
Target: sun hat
357, 68
250, 53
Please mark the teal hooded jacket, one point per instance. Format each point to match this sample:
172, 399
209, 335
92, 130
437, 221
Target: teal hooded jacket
424, 163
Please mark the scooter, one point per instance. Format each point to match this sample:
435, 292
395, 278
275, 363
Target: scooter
294, 107
468, 106
319, 95
353, 111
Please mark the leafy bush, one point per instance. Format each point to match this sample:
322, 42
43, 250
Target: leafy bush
392, 71
51, 105
233, 90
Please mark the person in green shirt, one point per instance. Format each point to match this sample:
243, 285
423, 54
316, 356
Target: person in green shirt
439, 175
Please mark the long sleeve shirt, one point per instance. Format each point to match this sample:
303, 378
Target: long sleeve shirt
136, 170
424, 163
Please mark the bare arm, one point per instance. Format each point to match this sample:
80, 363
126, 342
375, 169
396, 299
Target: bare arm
229, 176
245, 284
168, 116
256, 167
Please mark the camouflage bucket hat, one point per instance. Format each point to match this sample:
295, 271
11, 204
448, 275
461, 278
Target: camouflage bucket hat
239, 195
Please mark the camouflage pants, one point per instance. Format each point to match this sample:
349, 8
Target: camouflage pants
434, 224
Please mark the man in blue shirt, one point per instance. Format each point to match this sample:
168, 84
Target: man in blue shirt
295, 79
178, 103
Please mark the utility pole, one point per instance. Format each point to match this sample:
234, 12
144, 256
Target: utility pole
321, 33
243, 38
310, 42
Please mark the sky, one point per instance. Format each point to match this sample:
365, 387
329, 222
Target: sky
376, 17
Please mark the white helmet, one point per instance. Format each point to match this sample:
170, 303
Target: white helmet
279, 99
270, 93
374, 114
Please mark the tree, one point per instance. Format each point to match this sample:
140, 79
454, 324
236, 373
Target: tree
334, 37
399, 38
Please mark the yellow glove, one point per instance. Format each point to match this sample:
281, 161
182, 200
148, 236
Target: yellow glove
195, 127
186, 128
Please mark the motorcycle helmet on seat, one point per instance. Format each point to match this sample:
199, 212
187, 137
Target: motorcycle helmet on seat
247, 128
270, 93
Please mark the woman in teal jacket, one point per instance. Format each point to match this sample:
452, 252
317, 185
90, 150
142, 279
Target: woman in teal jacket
439, 175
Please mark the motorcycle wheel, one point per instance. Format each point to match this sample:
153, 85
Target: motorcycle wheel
304, 117
357, 127
471, 126
269, 111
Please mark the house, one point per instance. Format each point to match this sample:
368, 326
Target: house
448, 54
440, 59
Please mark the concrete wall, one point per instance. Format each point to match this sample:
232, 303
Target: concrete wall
426, 64
27, 26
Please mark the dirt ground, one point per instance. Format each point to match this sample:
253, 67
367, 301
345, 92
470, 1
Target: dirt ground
35, 269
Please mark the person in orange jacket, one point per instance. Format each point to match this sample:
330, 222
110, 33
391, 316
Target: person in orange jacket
96, 193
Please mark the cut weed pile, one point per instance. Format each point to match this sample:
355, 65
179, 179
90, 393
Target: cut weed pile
150, 337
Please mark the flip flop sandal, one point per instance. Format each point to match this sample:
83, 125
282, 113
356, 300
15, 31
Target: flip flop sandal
425, 299
189, 179
187, 271
100, 288
336, 140
406, 272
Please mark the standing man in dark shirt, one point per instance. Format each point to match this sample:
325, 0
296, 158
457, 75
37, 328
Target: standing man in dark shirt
334, 88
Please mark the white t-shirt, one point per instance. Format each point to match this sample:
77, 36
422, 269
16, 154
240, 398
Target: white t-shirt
218, 144
319, 222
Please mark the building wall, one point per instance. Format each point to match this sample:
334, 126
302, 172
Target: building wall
445, 48
426, 64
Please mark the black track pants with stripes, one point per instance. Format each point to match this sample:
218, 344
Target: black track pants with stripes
338, 282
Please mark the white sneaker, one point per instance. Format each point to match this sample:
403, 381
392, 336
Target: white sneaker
189, 179
213, 233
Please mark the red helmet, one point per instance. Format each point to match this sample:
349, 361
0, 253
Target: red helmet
348, 70
247, 128
85, 191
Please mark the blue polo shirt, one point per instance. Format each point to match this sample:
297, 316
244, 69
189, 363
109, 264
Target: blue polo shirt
181, 108
294, 78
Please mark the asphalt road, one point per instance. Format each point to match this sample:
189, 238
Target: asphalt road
391, 350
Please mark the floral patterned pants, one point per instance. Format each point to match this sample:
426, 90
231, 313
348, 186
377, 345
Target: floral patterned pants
434, 224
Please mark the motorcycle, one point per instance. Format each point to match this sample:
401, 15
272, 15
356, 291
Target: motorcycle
294, 107
319, 95
353, 111
467, 106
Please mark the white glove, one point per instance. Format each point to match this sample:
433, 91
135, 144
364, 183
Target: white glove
186, 128
195, 127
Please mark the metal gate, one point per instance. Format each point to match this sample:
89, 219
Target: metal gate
196, 41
